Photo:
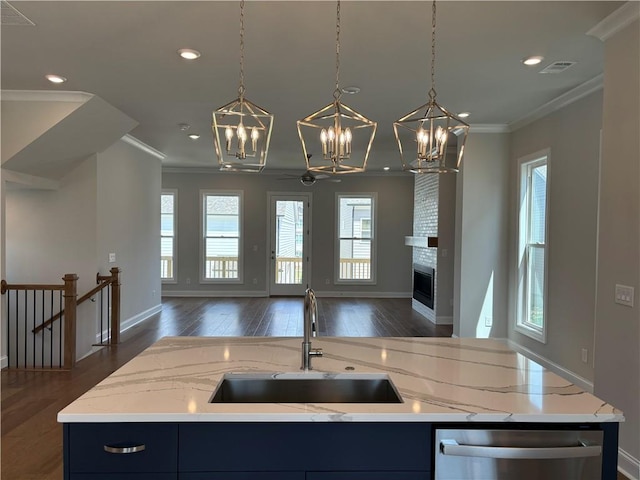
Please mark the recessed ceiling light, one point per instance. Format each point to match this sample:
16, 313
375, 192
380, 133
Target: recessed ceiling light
351, 90
189, 53
532, 60
194, 136
184, 127
386, 169
464, 114
55, 78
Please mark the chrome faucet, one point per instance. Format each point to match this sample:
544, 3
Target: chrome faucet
310, 329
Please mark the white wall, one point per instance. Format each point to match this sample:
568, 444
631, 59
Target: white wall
128, 213
25, 121
572, 134
394, 216
480, 265
53, 232
617, 355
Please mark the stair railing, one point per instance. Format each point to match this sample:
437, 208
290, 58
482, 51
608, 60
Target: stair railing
52, 343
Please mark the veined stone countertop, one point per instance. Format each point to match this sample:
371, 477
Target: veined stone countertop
439, 379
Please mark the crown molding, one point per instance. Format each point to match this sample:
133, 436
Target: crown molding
45, 96
133, 141
489, 128
562, 101
616, 21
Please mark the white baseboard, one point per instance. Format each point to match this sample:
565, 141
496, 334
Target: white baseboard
442, 320
627, 465
554, 367
127, 324
4, 362
329, 294
214, 293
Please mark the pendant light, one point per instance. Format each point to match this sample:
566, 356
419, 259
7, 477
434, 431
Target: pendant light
427, 130
342, 136
241, 129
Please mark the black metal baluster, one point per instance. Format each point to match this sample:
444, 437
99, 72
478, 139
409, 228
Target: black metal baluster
9, 328
42, 336
50, 328
25, 329
101, 316
33, 353
60, 364
109, 312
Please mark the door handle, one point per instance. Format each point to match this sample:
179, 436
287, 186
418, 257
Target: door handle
451, 447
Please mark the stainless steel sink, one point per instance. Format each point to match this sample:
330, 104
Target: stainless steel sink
305, 388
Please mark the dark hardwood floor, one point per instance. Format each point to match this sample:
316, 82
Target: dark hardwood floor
31, 437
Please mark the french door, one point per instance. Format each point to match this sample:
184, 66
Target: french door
289, 216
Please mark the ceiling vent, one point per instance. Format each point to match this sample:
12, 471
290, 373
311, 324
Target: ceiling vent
11, 16
557, 67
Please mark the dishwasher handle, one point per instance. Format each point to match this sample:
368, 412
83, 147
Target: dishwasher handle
451, 447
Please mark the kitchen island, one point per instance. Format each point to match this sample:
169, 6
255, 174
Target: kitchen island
161, 400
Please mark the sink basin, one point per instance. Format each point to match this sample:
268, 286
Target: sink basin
305, 388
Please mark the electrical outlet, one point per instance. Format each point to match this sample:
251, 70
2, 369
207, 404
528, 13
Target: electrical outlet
188, 281
488, 321
624, 295
444, 252
327, 281
585, 355
255, 281
112, 258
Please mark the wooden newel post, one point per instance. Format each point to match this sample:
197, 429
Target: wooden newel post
115, 306
70, 298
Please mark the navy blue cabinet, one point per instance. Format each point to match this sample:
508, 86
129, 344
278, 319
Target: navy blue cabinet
248, 451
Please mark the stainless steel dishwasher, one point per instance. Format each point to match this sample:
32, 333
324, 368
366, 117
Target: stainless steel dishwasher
518, 454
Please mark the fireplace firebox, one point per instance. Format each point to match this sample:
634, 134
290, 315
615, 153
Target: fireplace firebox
423, 284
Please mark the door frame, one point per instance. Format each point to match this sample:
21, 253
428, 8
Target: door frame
307, 240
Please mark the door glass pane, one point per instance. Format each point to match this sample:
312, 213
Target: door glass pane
289, 229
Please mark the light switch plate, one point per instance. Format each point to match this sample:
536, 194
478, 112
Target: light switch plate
624, 295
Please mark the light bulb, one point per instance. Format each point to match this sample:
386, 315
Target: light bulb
323, 140
254, 138
228, 133
348, 136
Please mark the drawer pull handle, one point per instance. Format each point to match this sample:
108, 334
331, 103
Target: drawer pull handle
120, 449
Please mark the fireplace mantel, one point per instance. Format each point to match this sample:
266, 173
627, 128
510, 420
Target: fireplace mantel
421, 242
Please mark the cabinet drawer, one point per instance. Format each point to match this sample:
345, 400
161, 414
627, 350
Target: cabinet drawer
158, 445
330, 446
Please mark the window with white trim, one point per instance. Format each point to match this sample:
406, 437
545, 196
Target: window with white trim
532, 247
168, 204
221, 236
355, 259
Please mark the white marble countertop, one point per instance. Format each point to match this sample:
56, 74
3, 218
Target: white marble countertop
439, 379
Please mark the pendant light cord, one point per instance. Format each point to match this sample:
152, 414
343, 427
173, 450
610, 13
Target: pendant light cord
336, 93
241, 86
432, 91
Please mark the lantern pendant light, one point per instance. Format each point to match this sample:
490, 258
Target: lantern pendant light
241, 129
427, 130
342, 135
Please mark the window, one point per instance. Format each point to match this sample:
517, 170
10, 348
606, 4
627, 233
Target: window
221, 238
168, 236
532, 246
356, 238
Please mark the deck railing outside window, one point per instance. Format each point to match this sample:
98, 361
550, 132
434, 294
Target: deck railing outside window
355, 268
221, 267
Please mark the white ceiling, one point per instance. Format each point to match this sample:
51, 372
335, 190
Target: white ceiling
125, 53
